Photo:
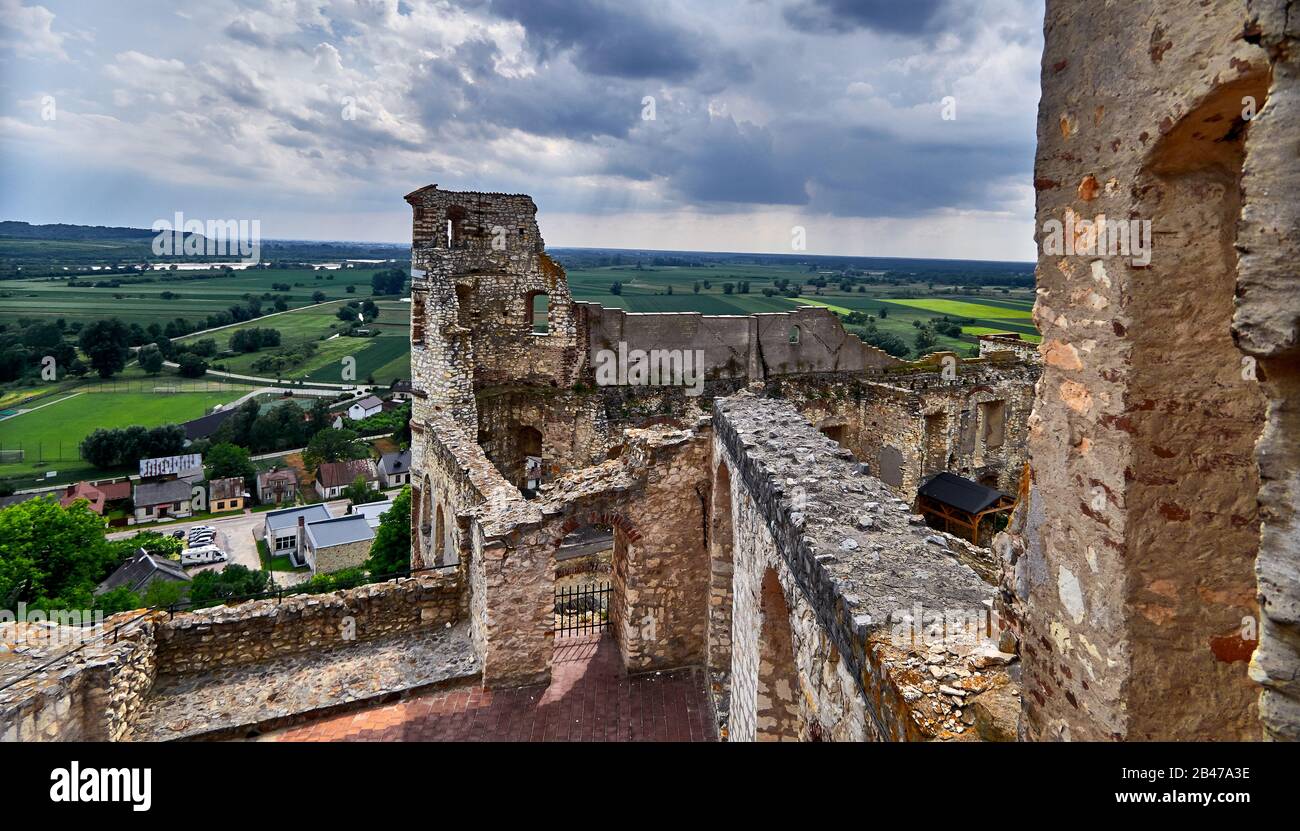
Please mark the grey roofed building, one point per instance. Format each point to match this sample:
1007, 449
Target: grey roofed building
391, 463
138, 572
161, 493
339, 531
288, 517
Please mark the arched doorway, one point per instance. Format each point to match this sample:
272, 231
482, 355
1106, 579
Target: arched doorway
777, 711
721, 541
424, 542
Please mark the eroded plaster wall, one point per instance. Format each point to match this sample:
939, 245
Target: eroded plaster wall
1136, 580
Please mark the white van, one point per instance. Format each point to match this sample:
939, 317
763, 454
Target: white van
202, 556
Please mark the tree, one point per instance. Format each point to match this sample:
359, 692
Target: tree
925, 340
389, 281
192, 366
390, 553
360, 492
330, 445
616, 287
105, 342
226, 461
318, 296
52, 557
151, 359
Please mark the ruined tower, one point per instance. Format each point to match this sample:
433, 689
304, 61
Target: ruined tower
1134, 572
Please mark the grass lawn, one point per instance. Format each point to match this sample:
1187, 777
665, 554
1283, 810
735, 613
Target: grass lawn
50, 435
280, 562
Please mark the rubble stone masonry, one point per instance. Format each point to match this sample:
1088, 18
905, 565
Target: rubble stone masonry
1131, 569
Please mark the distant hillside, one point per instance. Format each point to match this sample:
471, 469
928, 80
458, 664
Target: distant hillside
26, 230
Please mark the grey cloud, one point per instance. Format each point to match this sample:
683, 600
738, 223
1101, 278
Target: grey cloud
610, 39
243, 31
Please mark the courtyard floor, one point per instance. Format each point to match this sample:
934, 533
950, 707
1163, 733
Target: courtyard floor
589, 698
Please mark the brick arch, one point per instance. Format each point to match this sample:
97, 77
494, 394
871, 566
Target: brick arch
613, 519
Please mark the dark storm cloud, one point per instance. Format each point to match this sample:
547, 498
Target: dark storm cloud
903, 17
558, 101
607, 38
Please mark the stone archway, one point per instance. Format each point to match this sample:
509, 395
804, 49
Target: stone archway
721, 567
425, 548
777, 712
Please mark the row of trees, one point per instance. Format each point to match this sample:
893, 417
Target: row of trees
124, 446
253, 339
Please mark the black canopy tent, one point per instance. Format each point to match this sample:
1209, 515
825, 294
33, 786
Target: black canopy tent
960, 504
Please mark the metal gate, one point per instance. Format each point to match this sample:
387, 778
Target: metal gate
581, 610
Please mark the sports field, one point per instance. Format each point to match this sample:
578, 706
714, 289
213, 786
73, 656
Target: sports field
50, 433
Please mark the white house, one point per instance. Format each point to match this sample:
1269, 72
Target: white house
284, 529
366, 407
395, 469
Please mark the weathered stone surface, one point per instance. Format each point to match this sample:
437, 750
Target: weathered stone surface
996, 713
1128, 572
852, 676
233, 699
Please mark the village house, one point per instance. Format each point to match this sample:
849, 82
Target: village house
395, 469
226, 494
333, 544
141, 571
332, 478
98, 495
283, 530
366, 407
169, 499
372, 511
277, 486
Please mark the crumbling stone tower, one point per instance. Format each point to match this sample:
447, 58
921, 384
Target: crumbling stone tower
1134, 575
478, 264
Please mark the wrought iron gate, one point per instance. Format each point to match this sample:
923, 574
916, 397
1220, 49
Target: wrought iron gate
581, 610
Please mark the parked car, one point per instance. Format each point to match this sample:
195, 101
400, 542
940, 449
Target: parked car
178, 534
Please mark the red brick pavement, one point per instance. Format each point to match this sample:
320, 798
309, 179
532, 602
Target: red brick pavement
589, 698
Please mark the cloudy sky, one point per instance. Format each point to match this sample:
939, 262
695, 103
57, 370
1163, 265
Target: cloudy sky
671, 124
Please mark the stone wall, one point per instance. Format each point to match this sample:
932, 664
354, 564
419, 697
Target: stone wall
752, 347
90, 697
1133, 569
224, 636
852, 565
96, 693
1265, 326
338, 557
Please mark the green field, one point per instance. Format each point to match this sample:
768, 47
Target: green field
194, 299
49, 436
386, 356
